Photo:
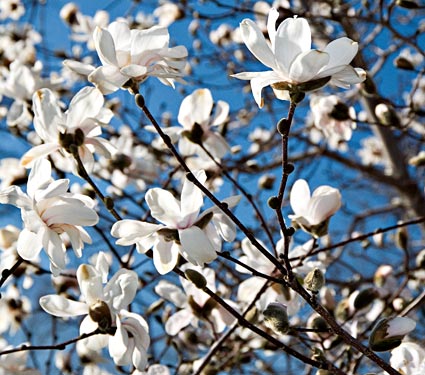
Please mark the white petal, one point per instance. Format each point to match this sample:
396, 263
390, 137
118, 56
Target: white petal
196, 246
300, 197
39, 177
348, 76
15, 196
85, 104
221, 112
54, 248
79, 67
322, 206
149, 39
29, 244
262, 80
191, 199
306, 65
341, 51
37, 152
90, 282
195, 108
107, 79
292, 38
256, 43
164, 206
121, 289
70, 211
165, 256
178, 321
132, 231
121, 35
133, 70
171, 292
271, 26
47, 113
105, 46
63, 307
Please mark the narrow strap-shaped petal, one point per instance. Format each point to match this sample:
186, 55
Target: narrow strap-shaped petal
256, 43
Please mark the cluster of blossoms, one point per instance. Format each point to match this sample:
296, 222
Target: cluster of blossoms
175, 232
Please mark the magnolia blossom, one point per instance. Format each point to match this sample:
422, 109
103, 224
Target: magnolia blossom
195, 117
295, 66
333, 118
128, 336
14, 363
408, 358
311, 212
194, 304
80, 125
133, 55
49, 211
183, 231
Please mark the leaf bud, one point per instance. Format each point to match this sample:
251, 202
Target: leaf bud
389, 332
196, 278
314, 280
140, 100
266, 181
273, 203
276, 317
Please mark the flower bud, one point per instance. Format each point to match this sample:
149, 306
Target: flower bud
418, 160
388, 333
386, 115
403, 63
408, 4
197, 278
420, 259
314, 280
402, 238
276, 317
364, 298
195, 134
266, 181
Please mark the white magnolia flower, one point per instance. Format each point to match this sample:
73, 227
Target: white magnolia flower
333, 118
14, 363
295, 66
195, 111
14, 308
49, 211
194, 304
133, 55
12, 9
11, 172
408, 358
128, 336
183, 231
311, 212
79, 125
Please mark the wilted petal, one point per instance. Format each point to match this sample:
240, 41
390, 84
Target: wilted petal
176, 322
60, 306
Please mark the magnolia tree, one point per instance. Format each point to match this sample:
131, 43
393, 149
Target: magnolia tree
212, 187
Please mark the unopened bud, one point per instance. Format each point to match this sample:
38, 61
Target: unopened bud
314, 280
386, 115
197, 278
418, 160
340, 112
403, 63
408, 4
276, 317
266, 181
273, 203
420, 259
388, 333
364, 298
402, 238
